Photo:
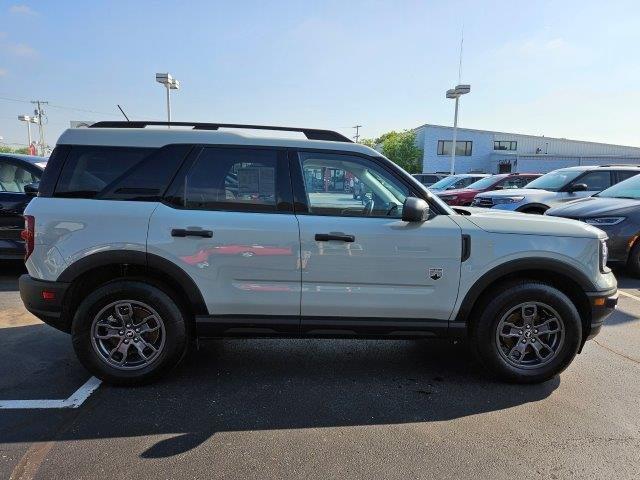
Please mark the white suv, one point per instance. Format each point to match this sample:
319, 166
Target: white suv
556, 187
141, 239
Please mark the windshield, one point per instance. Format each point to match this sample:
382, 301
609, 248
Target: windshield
554, 181
486, 182
630, 188
445, 182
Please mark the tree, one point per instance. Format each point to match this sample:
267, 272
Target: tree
7, 149
400, 148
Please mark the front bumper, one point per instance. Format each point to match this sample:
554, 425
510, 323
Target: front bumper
602, 305
45, 300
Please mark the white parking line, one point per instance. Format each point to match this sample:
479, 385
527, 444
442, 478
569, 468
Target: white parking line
625, 294
74, 401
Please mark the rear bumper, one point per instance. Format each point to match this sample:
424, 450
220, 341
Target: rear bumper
602, 304
48, 310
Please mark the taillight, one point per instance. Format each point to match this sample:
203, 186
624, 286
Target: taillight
28, 235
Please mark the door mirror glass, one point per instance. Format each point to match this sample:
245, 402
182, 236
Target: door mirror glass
31, 189
415, 210
578, 187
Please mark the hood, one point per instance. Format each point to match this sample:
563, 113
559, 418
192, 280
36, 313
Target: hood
501, 221
594, 207
521, 192
458, 191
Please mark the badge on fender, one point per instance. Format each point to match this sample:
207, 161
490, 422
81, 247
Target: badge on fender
435, 273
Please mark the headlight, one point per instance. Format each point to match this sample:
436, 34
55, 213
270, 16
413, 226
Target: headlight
604, 255
604, 221
503, 200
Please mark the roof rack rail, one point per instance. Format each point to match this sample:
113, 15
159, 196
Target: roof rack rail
620, 165
310, 133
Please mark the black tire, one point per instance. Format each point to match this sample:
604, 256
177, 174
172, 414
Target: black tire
173, 319
483, 331
533, 211
633, 262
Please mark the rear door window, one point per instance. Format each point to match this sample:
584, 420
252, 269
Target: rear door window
625, 174
235, 179
13, 177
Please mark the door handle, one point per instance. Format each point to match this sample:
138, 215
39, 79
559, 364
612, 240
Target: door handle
325, 237
183, 232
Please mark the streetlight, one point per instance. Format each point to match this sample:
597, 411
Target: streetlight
456, 93
171, 84
29, 120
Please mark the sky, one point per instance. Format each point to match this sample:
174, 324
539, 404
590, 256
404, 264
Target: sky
556, 68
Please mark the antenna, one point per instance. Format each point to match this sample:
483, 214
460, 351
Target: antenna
125, 115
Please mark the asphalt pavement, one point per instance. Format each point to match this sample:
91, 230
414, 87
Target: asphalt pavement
321, 409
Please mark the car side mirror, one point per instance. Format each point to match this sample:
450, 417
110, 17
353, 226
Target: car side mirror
578, 187
498, 187
415, 210
31, 189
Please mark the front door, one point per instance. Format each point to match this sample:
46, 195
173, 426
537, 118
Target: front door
364, 270
229, 224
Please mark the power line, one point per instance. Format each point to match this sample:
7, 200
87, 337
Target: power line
63, 107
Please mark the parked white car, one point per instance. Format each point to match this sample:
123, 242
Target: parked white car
556, 187
141, 239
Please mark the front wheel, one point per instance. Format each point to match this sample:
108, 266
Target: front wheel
528, 333
129, 333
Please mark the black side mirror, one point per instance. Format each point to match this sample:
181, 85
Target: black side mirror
415, 210
498, 187
578, 187
31, 189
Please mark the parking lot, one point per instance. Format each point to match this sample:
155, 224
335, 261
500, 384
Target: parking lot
320, 409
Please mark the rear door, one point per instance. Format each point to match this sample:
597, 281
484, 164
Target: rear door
228, 222
364, 270
14, 175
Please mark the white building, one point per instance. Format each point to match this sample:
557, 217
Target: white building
494, 152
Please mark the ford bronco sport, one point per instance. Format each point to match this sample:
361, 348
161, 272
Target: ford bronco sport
141, 239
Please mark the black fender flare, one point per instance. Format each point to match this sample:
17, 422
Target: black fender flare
528, 206
142, 259
515, 266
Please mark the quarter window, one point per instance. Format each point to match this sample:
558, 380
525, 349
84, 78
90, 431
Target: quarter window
342, 185
232, 179
89, 170
463, 147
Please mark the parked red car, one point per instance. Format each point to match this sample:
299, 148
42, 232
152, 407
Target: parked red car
464, 196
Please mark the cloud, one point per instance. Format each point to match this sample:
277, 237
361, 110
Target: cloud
21, 50
22, 10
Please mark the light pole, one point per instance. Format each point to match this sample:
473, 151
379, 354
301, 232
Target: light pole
170, 83
456, 93
29, 120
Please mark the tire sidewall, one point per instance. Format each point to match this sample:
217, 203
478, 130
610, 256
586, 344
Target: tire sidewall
172, 317
484, 332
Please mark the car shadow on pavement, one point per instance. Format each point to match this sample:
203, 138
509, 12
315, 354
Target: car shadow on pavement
247, 385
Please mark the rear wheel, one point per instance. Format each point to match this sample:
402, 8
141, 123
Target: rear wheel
129, 332
528, 333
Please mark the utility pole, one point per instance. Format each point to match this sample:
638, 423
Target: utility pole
39, 113
357, 135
